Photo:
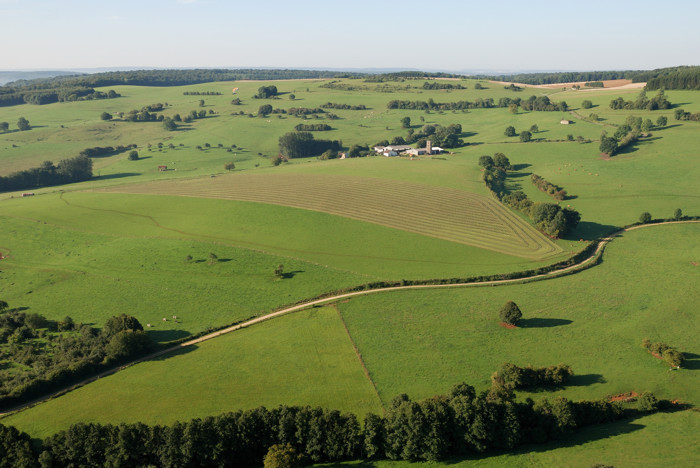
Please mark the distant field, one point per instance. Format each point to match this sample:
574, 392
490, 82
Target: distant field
448, 214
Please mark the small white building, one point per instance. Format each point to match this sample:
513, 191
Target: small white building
565, 122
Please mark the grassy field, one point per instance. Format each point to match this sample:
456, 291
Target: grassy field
118, 243
270, 364
448, 214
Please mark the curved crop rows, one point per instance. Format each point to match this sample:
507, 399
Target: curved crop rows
444, 213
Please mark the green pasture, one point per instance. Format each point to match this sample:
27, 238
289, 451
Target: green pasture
301, 359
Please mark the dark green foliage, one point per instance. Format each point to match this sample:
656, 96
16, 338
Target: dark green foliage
439, 85
106, 116
283, 456
23, 124
229, 166
406, 122
554, 190
661, 121
127, 344
680, 114
68, 171
510, 131
4, 126
563, 77
608, 145
678, 214
647, 403
302, 111
514, 377
265, 92
313, 127
669, 354
542, 103
672, 78
264, 110
303, 144
645, 218
501, 160
510, 313
486, 161
333, 105
169, 124
525, 136
594, 84
642, 102
16, 449
119, 323
586, 104
133, 155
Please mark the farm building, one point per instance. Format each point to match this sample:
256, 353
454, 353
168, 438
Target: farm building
566, 122
392, 150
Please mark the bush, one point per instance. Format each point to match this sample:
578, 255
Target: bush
647, 403
586, 104
510, 313
645, 218
525, 136
283, 456
133, 155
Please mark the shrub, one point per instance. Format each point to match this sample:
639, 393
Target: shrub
133, 155
510, 313
645, 218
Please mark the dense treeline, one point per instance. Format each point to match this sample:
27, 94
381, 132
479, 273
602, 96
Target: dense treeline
266, 92
642, 102
301, 111
439, 135
563, 77
513, 377
549, 218
13, 97
321, 127
67, 171
408, 75
671, 78
681, 114
628, 134
174, 77
99, 151
462, 422
335, 105
40, 355
533, 103
303, 144
547, 187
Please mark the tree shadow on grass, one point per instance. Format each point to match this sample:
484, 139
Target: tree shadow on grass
119, 175
520, 167
542, 322
692, 361
164, 336
587, 230
290, 274
178, 352
585, 380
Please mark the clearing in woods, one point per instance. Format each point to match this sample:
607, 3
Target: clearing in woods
445, 213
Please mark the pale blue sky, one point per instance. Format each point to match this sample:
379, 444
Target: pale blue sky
428, 34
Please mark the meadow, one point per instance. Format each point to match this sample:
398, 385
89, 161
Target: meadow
119, 243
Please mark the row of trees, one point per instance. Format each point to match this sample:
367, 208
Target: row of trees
320, 127
47, 355
628, 133
562, 77
462, 422
441, 85
201, 93
545, 186
335, 105
67, 171
642, 102
13, 96
533, 103
513, 377
663, 351
549, 218
98, 151
681, 114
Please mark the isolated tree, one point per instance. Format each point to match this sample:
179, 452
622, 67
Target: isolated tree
645, 217
502, 161
525, 136
229, 166
406, 122
647, 125
106, 116
510, 131
661, 121
279, 271
608, 145
534, 128
292, 97
169, 124
3, 306
678, 214
647, 403
264, 110
188, 259
4, 126
510, 313
23, 124
212, 258
133, 155
586, 104
513, 108
201, 103
283, 456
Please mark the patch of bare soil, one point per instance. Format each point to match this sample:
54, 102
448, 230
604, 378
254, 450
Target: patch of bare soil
508, 325
625, 397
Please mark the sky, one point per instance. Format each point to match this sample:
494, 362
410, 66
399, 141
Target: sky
456, 35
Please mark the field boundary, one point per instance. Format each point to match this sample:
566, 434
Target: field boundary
583, 264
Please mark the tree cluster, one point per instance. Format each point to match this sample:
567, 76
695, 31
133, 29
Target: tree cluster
668, 353
67, 171
445, 137
10, 96
201, 93
642, 102
672, 78
320, 127
47, 355
335, 105
594, 84
99, 151
266, 92
303, 144
680, 114
439, 85
627, 134
542, 103
302, 111
545, 186
513, 377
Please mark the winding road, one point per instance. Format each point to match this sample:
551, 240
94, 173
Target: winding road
583, 264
